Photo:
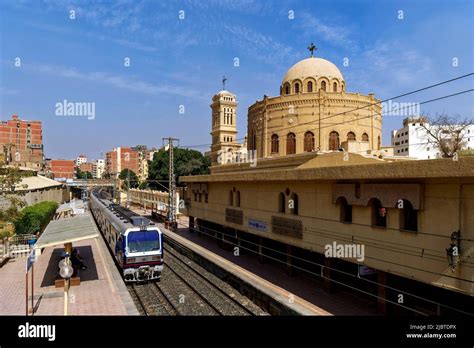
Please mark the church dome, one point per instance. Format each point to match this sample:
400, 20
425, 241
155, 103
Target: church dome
314, 68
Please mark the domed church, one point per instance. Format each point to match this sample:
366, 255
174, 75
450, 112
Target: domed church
313, 113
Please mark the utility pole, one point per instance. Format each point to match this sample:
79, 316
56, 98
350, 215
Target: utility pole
128, 188
171, 184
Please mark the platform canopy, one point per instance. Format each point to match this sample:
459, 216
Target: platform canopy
68, 230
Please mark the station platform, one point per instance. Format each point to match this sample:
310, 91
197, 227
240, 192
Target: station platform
101, 290
308, 298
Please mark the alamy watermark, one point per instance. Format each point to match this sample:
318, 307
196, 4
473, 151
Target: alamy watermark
75, 109
345, 251
240, 156
391, 108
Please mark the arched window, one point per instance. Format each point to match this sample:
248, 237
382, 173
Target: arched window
293, 204
379, 213
281, 202
231, 198
333, 141
310, 86
408, 217
274, 146
287, 89
365, 137
323, 86
308, 141
334, 87
290, 144
378, 142
237, 199
351, 136
345, 210
297, 87
343, 87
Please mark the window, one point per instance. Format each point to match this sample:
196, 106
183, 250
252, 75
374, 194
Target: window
351, 136
323, 86
334, 87
237, 199
365, 137
139, 241
293, 204
281, 202
333, 141
310, 86
200, 197
290, 144
345, 210
231, 198
274, 146
297, 87
308, 141
195, 197
206, 198
379, 213
408, 217
378, 142
287, 89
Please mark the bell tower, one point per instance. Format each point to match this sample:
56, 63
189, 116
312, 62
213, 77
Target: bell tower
224, 129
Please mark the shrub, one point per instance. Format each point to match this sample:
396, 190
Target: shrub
34, 218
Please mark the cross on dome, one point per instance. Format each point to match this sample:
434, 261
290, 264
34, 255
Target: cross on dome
312, 48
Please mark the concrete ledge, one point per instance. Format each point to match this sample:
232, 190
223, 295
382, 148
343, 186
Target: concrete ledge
115, 277
272, 298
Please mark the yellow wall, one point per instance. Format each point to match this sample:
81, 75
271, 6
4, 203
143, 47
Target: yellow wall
420, 255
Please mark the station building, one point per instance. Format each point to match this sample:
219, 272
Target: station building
320, 178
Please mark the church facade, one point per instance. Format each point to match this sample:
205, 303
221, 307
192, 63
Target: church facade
319, 180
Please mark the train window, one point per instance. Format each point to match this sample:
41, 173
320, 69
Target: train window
139, 241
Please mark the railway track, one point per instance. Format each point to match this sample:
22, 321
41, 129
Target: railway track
187, 289
207, 281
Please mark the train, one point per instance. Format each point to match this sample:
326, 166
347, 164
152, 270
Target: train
134, 241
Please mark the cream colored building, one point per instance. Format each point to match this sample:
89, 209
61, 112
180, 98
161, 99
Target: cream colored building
313, 112
36, 189
298, 198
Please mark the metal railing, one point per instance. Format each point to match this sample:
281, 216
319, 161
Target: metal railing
18, 245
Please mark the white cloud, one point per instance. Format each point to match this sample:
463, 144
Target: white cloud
389, 68
330, 32
116, 81
260, 46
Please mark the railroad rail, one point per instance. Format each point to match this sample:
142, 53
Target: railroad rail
188, 289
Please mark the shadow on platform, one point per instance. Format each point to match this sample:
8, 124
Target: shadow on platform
52, 271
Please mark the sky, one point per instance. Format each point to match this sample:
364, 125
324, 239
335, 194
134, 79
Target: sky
178, 52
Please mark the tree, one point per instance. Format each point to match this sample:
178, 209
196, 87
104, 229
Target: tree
128, 176
447, 134
186, 162
11, 192
83, 175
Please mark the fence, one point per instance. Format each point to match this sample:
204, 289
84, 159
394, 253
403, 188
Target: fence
17, 246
